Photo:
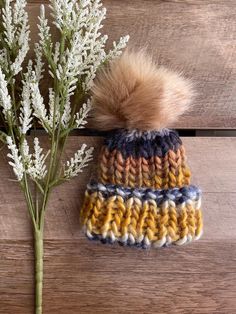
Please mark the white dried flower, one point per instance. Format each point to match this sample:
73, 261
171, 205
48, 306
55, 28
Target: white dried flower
117, 47
83, 114
56, 53
40, 111
37, 169
62, 13
19, 13
3, 60
26, 156
93, 61
38, 69
34, 164
70, 66
7, 21
25, 148
16, 34
25, 117
78, 162
66, 116
23, 42
5, 99
16, 162
44, 30
54, 111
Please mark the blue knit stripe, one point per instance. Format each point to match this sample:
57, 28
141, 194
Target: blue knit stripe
178, 195
143, 144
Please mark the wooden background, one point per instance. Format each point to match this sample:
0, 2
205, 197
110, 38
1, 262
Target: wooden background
197, 37
88, 277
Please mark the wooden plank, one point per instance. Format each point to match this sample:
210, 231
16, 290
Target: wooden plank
88, 277
98, 279
195, 37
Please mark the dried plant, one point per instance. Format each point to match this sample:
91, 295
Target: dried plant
72, 63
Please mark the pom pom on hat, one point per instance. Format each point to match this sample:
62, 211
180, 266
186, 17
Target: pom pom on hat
132, 92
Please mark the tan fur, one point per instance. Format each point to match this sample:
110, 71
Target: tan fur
133, 93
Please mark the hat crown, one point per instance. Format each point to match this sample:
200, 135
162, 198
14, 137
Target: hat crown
148, 159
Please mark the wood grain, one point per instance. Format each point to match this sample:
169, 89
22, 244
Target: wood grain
88, 277
196, 37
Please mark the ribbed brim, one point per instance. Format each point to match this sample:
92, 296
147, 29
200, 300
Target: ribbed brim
142, 217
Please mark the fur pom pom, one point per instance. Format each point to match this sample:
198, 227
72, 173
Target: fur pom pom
133, 93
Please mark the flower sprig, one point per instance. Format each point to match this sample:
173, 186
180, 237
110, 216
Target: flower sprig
5, 99
80, 160
16, 34
16, 159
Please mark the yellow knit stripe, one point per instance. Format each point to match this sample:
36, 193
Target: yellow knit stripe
137, 221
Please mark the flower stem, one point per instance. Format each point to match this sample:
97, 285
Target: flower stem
38, 248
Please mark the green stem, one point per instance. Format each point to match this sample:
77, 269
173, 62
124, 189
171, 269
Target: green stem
13, 98
47, 186
38, 249
39, 227
58, 91
62, 141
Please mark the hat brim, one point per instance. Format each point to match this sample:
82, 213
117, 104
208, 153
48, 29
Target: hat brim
142, 217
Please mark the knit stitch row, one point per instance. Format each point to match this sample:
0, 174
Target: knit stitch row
143, 144
155, 172
178, 195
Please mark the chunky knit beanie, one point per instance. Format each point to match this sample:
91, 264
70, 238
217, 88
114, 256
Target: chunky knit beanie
141, 194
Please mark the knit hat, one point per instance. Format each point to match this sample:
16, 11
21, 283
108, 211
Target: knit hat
142, 194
